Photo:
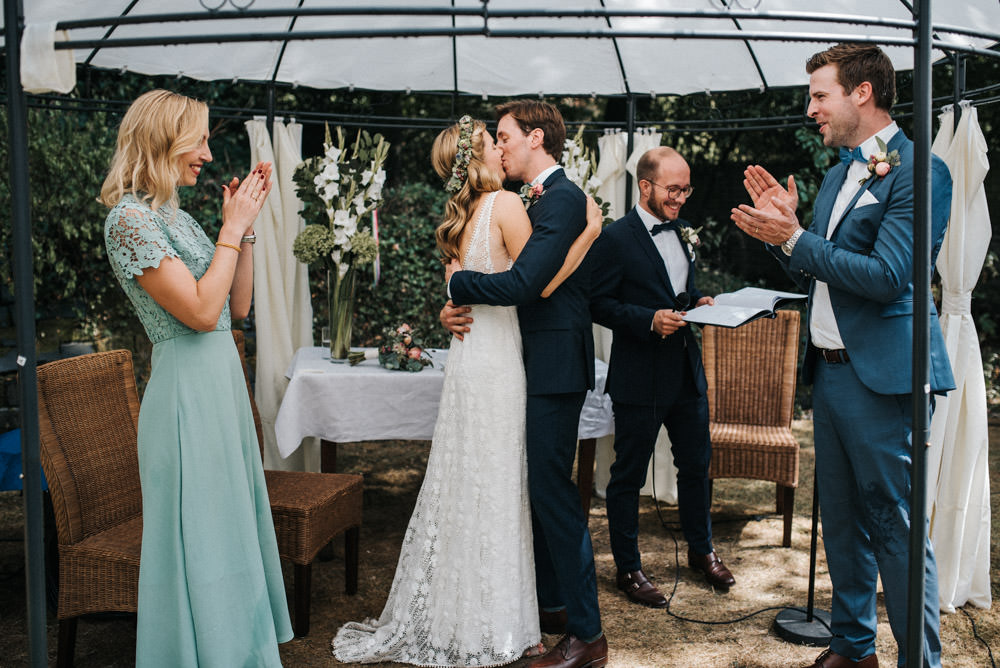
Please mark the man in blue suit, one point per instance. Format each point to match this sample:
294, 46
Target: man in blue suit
644, 271
857, 262
559, 365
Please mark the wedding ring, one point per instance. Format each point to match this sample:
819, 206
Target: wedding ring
756, 230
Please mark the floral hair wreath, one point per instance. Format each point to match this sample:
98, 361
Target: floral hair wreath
459, 168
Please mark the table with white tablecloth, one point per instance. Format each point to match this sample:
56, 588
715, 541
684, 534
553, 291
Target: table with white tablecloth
337, 402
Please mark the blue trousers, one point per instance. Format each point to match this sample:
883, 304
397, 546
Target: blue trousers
864, 471
564, 554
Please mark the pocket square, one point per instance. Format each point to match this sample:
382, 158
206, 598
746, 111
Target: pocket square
866, 199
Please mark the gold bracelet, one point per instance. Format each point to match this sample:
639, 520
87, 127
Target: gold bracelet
233, 246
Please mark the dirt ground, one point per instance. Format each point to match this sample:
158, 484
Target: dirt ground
734, 631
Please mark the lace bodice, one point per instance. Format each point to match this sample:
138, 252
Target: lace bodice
486, 252
136, 237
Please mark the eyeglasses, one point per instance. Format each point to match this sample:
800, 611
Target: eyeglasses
673, 192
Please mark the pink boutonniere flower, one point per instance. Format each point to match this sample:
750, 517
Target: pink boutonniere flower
531, 193
881, 162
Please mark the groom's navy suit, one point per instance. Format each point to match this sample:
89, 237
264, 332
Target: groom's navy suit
559, 364
862, 406
652, 381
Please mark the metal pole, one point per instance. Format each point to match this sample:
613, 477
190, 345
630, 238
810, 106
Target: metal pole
921, 329
629, 145
958, 88
24, 309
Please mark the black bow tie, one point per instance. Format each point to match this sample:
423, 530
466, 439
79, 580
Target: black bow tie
847, 157
660, 227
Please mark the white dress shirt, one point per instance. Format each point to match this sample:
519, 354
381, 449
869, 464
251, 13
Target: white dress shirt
822, 323
672, 250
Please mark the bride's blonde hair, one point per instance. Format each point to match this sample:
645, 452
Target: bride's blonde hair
157, 129
479, 179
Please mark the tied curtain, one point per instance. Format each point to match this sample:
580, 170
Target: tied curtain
958, 480
613, 162
282, 307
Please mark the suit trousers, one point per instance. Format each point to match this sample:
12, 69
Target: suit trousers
636, 428
864, 471
564, 554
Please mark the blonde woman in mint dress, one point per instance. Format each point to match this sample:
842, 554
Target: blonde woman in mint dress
210, 585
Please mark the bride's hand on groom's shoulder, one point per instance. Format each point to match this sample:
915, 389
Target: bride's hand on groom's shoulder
456, 319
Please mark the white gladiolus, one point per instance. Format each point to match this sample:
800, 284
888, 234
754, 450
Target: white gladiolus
366, 176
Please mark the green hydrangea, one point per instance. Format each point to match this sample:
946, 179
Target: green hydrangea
363, 247
313, 243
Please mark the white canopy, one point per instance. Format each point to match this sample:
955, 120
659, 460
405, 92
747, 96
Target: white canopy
745, 46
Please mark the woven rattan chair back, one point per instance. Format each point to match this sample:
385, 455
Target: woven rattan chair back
751, 370
88, 412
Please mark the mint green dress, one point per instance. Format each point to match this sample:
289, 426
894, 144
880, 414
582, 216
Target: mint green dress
210, 584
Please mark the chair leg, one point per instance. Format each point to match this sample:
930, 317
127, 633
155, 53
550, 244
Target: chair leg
351, 543
67, 643
303, 594
787, 496
779, 498
711, 488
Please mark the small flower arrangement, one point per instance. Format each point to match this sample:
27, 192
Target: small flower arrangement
531, 193
580, 165
689, 235
881, 162
401, 351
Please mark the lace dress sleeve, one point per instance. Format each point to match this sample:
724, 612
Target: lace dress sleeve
135, 239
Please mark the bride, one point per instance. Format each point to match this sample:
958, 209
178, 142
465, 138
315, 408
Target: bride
464, 589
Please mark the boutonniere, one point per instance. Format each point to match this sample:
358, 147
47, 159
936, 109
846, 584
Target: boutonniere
531, 194
689, 235
882, 162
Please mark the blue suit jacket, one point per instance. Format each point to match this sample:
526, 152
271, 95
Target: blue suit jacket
868, 266
556, 332
630, 285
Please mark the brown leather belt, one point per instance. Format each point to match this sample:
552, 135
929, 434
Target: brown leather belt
838, 356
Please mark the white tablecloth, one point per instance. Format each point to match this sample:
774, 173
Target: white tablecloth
343, 403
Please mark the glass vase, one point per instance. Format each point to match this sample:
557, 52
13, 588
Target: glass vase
340, 299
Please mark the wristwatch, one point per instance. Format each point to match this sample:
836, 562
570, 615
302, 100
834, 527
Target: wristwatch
249, 239
788, 245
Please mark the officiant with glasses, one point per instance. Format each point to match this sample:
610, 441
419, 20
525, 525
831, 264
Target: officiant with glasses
643, 282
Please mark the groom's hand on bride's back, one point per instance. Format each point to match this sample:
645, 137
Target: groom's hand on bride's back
456, 319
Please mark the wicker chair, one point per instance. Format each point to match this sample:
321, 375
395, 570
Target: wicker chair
309, 510
751, 395
88, 411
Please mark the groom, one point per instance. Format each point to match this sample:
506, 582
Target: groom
559, 365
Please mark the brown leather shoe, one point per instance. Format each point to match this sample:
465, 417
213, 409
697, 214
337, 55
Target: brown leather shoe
640, 590
571, 652
715, 571
552, 622
830, 659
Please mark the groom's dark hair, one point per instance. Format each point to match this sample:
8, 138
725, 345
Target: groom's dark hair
531, 114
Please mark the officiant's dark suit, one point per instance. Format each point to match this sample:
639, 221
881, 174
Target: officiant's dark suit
559, 364
655, 374
856, 260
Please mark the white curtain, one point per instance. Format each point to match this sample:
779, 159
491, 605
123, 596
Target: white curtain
282, 307
612, 163
958, 473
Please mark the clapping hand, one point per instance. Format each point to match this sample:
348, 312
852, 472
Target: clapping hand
765, 191
772, 219
242, 202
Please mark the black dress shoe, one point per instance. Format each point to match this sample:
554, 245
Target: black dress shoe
830, 659
716, 574
552, 622
640, 590
571, 652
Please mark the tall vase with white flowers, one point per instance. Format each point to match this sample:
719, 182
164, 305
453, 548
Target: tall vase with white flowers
340, 191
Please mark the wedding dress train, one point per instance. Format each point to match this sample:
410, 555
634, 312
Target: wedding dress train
464, 589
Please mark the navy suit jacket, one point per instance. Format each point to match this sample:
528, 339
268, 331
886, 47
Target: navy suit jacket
868, 266
630, 285
556, 332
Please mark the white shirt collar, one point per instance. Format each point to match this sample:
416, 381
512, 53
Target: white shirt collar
647, 218
545, 174
870, 146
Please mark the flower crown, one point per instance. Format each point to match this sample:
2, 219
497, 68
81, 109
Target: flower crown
459, 168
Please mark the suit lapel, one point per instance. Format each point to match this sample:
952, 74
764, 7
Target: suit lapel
645, 242
826, 197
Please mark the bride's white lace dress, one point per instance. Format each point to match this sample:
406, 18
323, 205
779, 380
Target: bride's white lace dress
464, 590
